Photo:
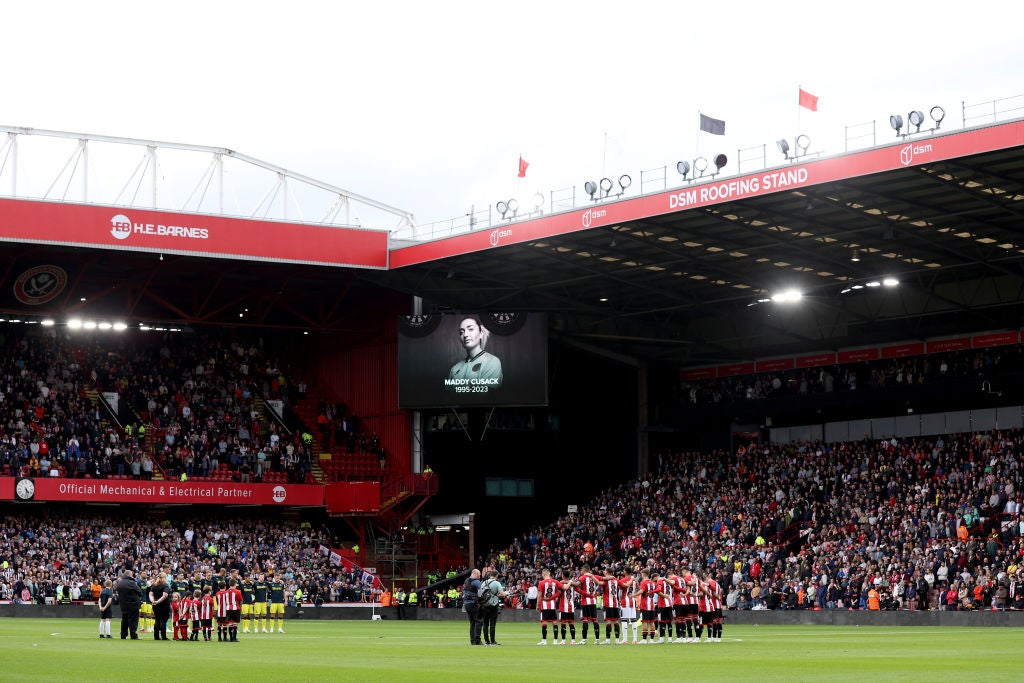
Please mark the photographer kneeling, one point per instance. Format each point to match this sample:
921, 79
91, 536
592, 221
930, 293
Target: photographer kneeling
491, 595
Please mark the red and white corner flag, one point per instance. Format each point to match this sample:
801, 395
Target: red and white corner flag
808, 101
522, 167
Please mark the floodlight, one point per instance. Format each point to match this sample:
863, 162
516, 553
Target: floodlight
896, 121
916, 118
855, 257
591, 187
783, 145
788, 296
873, 283
937, 113
890, 282
75, 324
513, 206
502, 208
683, 167
624, 182
47, 323
120, 327
802, 143
720, 161
606, 185
538, 201
700, 164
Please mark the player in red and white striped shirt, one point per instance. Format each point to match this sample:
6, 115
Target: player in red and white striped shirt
567, 608
647, 592
222, 615
193, 614
612, 599
664, 589
690, 603
178, 619
206, 610
627, 588
229, 601
678, 608
549, 591
711, 608
589, 587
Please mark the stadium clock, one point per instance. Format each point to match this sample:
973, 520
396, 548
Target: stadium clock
25, 489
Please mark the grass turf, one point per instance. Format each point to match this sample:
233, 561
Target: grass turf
70, 649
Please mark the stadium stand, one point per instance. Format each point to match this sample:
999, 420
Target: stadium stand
60, 556
930, 523
933, 523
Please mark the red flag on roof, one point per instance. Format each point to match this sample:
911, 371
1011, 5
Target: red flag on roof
808, 101
522, 167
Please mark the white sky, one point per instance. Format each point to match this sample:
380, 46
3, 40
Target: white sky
427, 106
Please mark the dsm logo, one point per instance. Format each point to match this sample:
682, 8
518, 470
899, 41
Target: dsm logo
591, 215
912, 151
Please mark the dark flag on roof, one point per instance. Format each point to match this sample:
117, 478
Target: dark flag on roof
710, 125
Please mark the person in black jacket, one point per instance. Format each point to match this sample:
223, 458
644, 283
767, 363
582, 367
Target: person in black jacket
470, 590
129, 597
160, 598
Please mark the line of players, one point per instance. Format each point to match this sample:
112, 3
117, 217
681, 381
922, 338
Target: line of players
684, 600
256, 597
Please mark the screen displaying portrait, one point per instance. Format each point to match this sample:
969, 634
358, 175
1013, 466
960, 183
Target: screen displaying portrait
472, 359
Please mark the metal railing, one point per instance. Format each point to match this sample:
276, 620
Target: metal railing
659, 179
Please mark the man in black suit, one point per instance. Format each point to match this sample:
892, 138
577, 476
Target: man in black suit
129, 597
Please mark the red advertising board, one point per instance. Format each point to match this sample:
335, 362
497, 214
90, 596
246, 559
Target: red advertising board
995, 339
736, 369
195, 492
857, 355
105, 227
775, 365
697, 373
817, 360
942, 345
899, 155
353, 496
903, 350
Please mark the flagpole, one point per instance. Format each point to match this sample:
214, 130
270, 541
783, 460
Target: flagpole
518, 176
604, 155
697, 135
798, 112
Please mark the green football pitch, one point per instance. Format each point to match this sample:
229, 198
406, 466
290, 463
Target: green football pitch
70, 650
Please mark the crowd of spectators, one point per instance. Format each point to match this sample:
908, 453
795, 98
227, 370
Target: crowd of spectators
60, 556
983, 364
192, 407
927, 523
46, 426
198, 394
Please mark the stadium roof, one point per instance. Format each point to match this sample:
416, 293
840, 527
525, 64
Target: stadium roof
689, 283
681, 276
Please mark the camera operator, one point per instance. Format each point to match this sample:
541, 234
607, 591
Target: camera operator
490, 606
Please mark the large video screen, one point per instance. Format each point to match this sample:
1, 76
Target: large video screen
469, 359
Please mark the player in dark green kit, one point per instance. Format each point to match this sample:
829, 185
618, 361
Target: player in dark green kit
277, 604
248, 598
146, 610
259, 607
181, 586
